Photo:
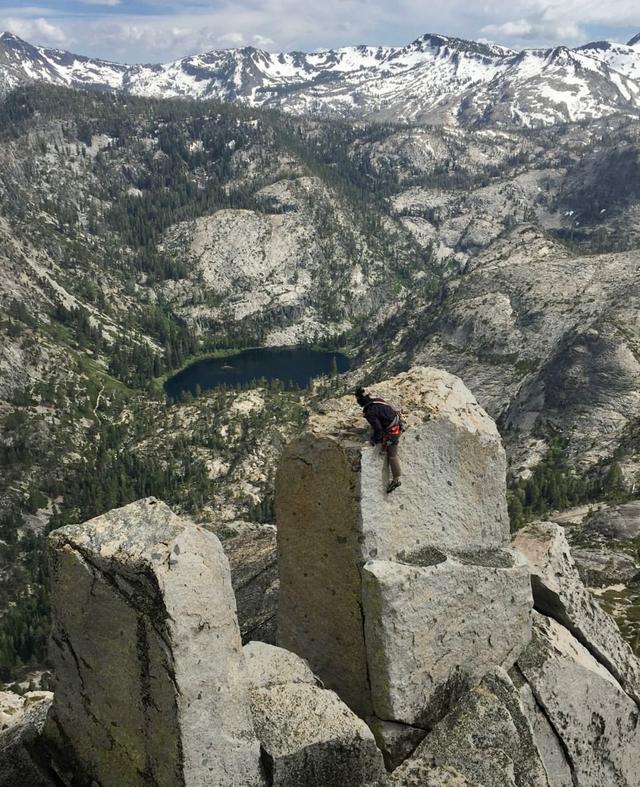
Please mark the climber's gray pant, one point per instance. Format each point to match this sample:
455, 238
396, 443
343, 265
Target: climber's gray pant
392, 456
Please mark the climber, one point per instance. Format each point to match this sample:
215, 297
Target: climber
387, 428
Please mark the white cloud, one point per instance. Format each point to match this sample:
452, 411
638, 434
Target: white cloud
520, 27
37, 30
100, 2
263, 41
232, 39
591, 12
269, 24
557, 21
25, 10
172, 31
524, 31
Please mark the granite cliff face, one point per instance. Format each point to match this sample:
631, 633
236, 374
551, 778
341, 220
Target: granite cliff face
147, 653
433, 634
546, 339
448, 655
389, 566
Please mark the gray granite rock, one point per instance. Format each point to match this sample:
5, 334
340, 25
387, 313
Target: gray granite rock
619, 523
548, 743
597, 723
151, 683
308, 735
333, 513
23, 761
429, 775
268, 665
486, 741
601, 567
319, 558
432, 631
396, 741
558, 592
254, 576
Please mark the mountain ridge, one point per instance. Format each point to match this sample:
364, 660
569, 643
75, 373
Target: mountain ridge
435, 79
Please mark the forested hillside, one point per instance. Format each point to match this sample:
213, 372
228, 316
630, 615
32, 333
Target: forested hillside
101, 299
137, 234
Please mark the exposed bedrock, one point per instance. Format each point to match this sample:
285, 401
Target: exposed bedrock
432, 631
619, 523
558, 719
595, 721
254, 575
308, 735
400, 601
22, 720
560, 594
151, 682
395, 740
486, 740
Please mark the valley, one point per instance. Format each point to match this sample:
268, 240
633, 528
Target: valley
139, 234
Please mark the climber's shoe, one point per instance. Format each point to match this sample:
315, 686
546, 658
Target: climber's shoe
394, 485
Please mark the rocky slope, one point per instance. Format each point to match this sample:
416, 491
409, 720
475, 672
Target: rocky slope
538, 311
382, 661
261, 229
604, 542
98, 298
137, 233
98, 281
435, 79
538, 334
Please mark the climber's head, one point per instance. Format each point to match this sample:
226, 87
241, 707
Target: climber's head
362, 397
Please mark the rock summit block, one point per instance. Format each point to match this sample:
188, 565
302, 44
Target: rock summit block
151, 681
347, 550
453, 463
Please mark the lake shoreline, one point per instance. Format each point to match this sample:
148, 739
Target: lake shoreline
288, 364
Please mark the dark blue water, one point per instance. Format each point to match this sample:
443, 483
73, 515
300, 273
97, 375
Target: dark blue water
295, 365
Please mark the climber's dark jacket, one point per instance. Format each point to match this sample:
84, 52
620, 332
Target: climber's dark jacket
380, 415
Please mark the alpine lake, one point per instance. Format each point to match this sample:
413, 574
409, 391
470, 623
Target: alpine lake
291, 365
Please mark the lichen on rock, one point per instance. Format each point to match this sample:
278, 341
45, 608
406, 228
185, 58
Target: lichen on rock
487, 739
596, 722
559, 593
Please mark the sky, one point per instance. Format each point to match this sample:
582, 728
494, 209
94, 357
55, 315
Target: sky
151, 31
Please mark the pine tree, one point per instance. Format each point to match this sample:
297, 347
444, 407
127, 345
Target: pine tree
614, 486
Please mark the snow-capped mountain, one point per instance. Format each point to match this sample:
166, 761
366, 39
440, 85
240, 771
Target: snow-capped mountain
22, 62
624, 58
542, 87
434, 79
